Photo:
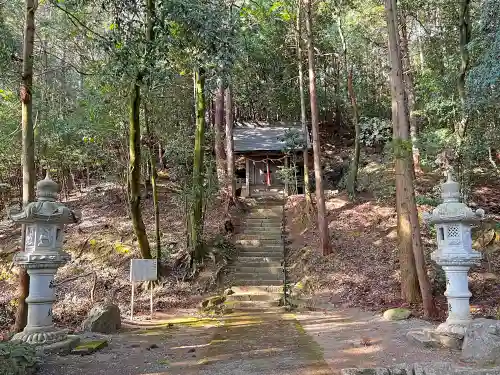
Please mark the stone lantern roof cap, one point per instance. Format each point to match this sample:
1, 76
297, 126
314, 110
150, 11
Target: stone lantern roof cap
47, 189
452, 210
45, 209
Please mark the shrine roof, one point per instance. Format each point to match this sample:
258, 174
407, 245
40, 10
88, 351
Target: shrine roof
249, 137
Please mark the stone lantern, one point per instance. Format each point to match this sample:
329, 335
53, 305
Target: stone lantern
44, 222
453, 221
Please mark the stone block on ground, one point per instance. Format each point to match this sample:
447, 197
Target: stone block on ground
89, 347
434, 368
447, 339
482, 342
422, 339
103, 318
397, 314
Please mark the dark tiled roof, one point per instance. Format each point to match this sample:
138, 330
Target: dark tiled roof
261, 138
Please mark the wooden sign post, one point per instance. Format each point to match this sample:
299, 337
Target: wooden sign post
142, 270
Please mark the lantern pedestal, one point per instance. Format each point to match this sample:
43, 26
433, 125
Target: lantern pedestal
458, 295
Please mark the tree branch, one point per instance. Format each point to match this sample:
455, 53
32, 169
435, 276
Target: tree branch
75, 21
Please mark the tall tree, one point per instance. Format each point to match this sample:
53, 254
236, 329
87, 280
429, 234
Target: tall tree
318, 172
197, 210
135, 167
303, 119
353, 173
465, 37
410, 245
28, 148
220, 156
410, 90
230, 144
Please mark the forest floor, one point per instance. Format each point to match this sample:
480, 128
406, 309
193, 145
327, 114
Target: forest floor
101, 246
363, 270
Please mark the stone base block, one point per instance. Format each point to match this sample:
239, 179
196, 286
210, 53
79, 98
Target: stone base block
60, 348
41, 337
434, 339
447, 339
422, 339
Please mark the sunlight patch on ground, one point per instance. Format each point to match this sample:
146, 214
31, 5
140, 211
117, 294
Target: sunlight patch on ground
336, 203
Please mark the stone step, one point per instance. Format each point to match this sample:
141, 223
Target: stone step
265, 213
261, 283
262, 262
239, 288
250, 305
261, 276
262, 243
263, 268
257, 237
257, 296
244, 259
260, 235
262, 226
272, 256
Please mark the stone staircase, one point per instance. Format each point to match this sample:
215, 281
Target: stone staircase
257, 273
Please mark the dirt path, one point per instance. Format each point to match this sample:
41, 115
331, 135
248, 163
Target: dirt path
257, 343
263, 344
239, 344
353, 338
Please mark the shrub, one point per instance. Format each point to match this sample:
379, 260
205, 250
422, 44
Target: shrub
375, 131
17, 358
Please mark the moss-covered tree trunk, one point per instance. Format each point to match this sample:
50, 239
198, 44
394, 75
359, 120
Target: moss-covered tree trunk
197, 207
135, 169
220, 154
154, 183
230, 144
465, 36
410, 93
326, 247
28, 149
303, 120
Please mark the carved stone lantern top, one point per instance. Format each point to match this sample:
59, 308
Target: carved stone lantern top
452, 210
45, 209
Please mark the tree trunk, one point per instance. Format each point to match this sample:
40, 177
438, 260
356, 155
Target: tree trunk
220, 156
353, 174
197, 211
153, 172
154, 184
135, 169
28, 150
230, 144
320, 195
465, 35
408, 225
410, 94
303, 120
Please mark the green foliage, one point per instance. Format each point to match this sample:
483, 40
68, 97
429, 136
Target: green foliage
17, 358
375, 131
431, 142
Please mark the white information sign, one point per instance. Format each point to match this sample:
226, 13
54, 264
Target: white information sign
142, 270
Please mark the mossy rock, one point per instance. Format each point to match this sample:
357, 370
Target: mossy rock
302, 287
89, 347
212, 303
397, 314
